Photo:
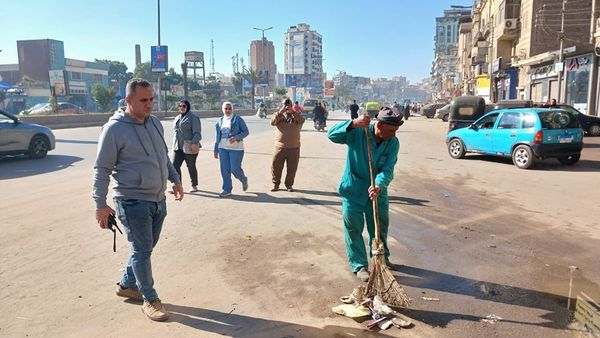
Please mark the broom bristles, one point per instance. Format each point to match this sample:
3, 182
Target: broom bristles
383, 283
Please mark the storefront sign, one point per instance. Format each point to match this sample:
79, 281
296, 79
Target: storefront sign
542, 72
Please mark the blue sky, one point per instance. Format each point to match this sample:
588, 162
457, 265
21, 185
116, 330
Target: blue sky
375, 38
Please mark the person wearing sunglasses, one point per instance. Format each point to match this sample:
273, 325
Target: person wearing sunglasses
132, 150
229, 148
355, 187
186, 141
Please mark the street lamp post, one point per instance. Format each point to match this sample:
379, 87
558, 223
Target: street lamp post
292, 45
263, 54
159, 74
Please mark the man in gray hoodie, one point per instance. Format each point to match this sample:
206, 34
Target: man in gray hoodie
132, 150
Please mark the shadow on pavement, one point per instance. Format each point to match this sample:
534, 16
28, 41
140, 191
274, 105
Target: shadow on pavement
234, 325
591, 145
22, 166
76, 141
550, 164
556, 317
407, 201
277, 197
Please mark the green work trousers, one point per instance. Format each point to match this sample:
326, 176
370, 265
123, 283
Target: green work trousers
354, 222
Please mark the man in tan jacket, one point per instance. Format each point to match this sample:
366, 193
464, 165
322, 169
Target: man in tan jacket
287, 144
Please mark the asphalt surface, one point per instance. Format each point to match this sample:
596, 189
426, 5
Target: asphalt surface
490, 243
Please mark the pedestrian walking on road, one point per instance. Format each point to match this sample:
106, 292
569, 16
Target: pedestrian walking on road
187, 131
297, 107
132, 149
229, 148
287, 145
355, 186
354, 110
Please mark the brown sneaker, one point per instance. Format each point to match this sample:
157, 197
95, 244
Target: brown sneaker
132, 293
155, 310
275, 188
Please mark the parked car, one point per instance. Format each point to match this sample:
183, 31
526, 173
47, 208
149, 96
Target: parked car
442, 113
61, 108
590, 124
509, 104
428, 110
17, 137
526, 135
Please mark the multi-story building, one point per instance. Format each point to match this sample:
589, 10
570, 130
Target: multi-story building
262, 60
303, 53
517, 52
465, 43
538, 53
444, 70
43, 65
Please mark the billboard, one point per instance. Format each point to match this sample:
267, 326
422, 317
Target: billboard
295, 80
194, 56
263, 77
159, 59
57, 81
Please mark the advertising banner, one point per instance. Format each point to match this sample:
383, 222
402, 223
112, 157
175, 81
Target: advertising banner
263, 77
194, 56
295, 80
159, 59
57, 81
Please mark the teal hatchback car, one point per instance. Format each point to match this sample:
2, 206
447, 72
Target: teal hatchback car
526, 135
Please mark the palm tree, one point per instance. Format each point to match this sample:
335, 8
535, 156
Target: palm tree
252, 77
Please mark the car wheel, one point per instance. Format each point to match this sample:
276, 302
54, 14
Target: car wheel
569, 160
523, 157
38, 147
445, 118
456, 148
594, 130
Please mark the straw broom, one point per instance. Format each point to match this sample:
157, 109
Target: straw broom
381, 281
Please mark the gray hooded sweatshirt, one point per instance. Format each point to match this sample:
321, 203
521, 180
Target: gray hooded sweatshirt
136, 156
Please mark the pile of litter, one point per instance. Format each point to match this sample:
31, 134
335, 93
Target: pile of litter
359, 306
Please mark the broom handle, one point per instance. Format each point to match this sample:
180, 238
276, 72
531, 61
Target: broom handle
372, 172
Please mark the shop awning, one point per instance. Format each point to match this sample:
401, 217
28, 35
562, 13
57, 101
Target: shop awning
5, 85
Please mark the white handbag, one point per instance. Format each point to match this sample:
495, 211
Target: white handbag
187, 148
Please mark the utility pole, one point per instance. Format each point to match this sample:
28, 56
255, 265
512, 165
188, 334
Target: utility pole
212, 56
561, 37
159, 74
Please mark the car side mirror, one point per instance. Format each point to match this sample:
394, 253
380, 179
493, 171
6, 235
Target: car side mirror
474, 127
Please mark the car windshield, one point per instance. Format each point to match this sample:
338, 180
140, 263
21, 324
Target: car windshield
558, 119
38, 106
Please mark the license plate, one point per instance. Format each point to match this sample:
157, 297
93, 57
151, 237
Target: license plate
565, 139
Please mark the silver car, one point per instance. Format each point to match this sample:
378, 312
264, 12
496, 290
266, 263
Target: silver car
17, 137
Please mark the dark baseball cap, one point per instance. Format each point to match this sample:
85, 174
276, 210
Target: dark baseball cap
390, 116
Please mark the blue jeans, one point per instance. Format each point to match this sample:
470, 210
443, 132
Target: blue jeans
231, 163
143, 222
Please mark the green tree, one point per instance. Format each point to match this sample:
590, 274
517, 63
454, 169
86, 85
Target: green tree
144, 71
213, 91
54, 103
103, 96
117, 72
173, 77
280, 91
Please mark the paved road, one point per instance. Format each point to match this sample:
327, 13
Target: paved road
482, 236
